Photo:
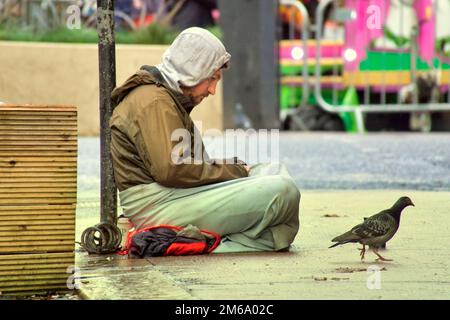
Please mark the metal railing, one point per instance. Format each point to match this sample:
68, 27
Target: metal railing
302, 53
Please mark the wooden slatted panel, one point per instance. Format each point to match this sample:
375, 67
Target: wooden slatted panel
36, 227
38, 186
34, 272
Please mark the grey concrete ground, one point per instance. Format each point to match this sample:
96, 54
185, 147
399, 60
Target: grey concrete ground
342, 178
336, 161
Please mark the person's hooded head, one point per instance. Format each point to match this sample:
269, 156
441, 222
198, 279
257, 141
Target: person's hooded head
192, 64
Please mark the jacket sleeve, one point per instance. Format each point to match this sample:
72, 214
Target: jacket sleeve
165, 147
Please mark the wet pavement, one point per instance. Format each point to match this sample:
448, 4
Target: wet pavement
420, 270
342, 179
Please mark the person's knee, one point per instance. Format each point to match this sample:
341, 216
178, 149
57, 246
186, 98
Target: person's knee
290, 196
286, 189
290, 190
293, 192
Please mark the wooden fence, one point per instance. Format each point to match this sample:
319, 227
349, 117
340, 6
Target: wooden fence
38, 188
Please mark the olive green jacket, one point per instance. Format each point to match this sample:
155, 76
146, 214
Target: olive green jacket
142, 124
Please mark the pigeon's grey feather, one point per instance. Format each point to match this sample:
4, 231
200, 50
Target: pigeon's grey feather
376, 230
378, 225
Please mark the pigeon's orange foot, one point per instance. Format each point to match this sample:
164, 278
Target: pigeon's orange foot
380, 257
383, 259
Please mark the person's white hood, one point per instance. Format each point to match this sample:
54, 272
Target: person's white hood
193, 57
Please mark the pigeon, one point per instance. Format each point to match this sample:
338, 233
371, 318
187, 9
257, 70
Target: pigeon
376, 230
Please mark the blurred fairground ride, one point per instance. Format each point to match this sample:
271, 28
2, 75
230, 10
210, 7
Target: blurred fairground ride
360, 65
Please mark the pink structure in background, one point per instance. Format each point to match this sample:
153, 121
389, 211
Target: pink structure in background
368, 25
427, 29
369, 18
216, 15
362, 30
333, 50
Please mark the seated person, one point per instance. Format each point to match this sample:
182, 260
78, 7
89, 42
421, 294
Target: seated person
252, 209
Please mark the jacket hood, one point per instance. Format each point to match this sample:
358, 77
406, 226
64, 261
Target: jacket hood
141, 77
149, 75
193, 57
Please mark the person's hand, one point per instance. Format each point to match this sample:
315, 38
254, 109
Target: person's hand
245, 165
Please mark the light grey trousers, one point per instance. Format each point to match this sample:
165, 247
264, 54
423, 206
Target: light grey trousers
257, 213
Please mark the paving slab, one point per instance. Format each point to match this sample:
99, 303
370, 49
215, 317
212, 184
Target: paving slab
111, 277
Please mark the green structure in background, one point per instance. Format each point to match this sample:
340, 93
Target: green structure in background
349, 118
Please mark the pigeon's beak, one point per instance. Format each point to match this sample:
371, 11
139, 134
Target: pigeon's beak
412, 204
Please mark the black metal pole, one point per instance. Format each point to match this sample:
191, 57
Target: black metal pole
107, 71
105, 237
